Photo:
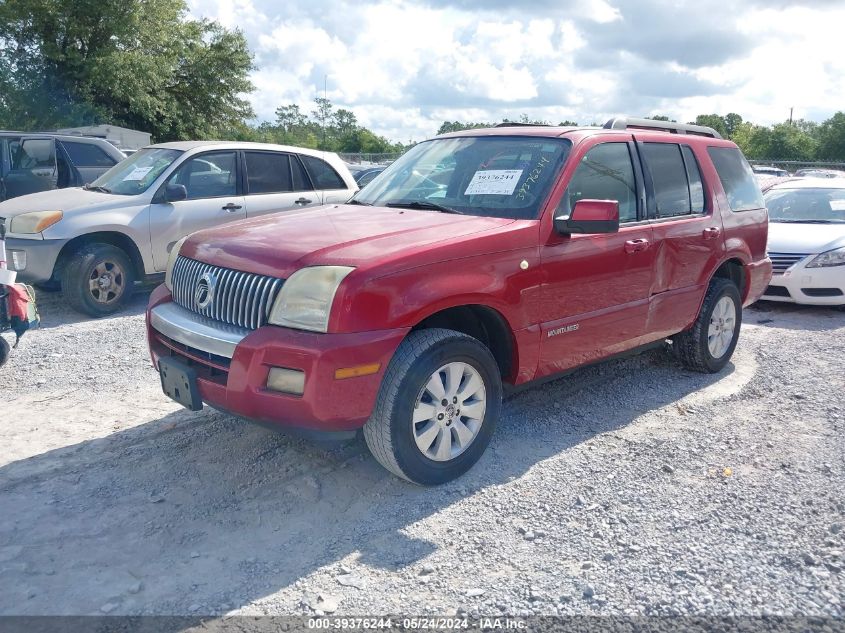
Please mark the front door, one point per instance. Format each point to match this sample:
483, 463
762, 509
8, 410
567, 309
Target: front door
34, 167
596, 287
214, 198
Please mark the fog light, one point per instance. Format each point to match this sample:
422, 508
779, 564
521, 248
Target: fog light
17, 260
286, 380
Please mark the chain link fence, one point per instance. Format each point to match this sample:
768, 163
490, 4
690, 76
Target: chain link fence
369, 159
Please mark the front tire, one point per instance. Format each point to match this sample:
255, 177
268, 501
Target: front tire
709, 344
98, 280
437, 407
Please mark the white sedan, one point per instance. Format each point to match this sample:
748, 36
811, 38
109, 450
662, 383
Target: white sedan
807, 241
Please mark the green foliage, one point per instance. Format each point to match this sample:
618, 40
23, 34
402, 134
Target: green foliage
831, 136
137, 63
715, 121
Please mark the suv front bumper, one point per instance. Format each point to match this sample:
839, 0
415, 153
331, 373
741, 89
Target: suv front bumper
237, 383
38, 259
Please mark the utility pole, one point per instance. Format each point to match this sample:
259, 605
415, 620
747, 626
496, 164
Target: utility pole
790, 115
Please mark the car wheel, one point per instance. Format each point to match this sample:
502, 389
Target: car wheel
5, 350
437, 407
709, 344
98, 279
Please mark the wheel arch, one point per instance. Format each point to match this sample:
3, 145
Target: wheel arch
113, 238
484, 323
733, 270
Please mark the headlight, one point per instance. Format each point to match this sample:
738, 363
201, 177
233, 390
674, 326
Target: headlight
34, 222
836, 257
171, 262
305, 300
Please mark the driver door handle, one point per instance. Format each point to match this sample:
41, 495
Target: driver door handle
302, 201
231, 207
635, 246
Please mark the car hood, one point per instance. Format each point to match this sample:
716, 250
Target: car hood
66, 200
794, 237
347, 235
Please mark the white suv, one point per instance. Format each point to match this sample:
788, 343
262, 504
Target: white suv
98, 240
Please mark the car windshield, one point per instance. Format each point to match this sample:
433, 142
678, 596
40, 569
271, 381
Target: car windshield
135, 174
492, 176
816, 205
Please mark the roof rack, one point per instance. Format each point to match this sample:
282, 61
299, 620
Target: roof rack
624, 123
517, 124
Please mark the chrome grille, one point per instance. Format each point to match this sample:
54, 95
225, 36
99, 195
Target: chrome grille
241, 299
782, 261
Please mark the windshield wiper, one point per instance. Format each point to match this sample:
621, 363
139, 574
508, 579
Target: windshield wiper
420, 204
97, 188
366, 204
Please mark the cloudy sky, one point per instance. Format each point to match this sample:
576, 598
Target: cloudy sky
405, 66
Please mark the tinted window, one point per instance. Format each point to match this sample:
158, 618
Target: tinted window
671, 190
208, 176
605, 173
696, 188
88, 155
322, 174
300, 178
737, 178
268, 173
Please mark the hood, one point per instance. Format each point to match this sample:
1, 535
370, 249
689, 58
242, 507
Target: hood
63, 200
347, 235
793, 237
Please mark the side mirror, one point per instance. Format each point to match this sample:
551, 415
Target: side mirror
590, 216
175, 193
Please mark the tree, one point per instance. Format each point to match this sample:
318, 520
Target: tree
661, 117
139, 64
832, 138
713, 120
289, 117
732, 123
457, 126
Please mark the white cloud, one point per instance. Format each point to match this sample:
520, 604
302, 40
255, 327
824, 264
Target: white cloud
405, 66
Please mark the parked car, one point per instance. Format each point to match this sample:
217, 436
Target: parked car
409, 310
769, 170
41, 162
820, 173
807, 241
366, 176
97, 241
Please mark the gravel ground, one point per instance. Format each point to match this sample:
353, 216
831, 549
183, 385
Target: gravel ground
633, 487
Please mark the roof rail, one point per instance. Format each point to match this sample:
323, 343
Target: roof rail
517, 124
623, 123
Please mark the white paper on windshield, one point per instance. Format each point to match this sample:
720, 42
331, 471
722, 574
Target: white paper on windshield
138, 173
493, 182
837, 205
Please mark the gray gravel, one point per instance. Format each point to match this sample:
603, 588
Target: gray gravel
634, 487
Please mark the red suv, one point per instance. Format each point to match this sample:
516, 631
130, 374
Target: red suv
478, 261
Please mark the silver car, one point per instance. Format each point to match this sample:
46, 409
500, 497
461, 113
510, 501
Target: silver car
96, 242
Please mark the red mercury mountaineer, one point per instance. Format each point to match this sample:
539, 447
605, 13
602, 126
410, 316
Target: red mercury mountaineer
478, 261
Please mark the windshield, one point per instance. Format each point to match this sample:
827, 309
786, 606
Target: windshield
806, 205
135, 174
492, 176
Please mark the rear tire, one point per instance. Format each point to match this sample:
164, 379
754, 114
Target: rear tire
411, 432
709, 344
5, 350
98, 280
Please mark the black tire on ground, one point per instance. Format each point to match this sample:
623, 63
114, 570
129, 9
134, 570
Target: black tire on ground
389, 431
692, 344
5, 350
85, 267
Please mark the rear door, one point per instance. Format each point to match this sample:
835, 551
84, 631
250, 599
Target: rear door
89, 160
596, 287
328, 184
687, 233
276, 181
34, 167
215, 197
